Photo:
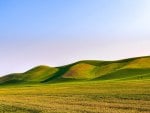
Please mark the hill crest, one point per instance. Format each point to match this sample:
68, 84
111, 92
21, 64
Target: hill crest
132, 68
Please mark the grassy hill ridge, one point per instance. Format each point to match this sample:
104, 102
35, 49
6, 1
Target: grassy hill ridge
132, 68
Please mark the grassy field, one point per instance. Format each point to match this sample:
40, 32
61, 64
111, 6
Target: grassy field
88, 86
128, 96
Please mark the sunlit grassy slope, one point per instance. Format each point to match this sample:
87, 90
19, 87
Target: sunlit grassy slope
133, 68
121, 86
34, 75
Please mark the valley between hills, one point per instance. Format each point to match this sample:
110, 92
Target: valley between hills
88, 86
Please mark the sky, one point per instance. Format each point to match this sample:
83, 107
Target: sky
59, 32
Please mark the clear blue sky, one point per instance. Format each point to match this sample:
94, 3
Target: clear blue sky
58, 32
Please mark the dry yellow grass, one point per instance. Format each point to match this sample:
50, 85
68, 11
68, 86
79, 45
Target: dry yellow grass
139, 63
80, 71
76, 97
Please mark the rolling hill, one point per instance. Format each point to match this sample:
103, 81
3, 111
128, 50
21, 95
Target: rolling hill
132, 68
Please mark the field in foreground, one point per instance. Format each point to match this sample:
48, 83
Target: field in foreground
77, 97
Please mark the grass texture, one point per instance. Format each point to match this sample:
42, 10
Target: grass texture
87, 86
131, 96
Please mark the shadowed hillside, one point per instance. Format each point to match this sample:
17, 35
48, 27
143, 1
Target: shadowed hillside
133, 68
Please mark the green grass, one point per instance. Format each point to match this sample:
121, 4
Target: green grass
35, 75
130, 96
84, 70
127, 74
88, 86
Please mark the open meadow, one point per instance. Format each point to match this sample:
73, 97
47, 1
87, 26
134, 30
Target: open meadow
74, 56
129, 96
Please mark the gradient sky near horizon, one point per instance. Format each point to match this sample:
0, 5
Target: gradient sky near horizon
58, 32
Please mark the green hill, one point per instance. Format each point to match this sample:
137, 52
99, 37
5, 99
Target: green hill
132, 68
34, 75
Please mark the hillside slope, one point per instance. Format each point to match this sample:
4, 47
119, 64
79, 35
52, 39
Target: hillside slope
133, 68
138, 68
35, 75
